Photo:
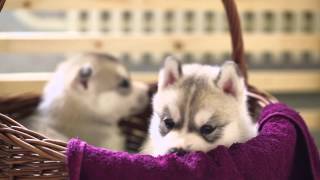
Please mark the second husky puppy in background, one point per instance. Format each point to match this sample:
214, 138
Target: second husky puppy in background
198, 107
86, 97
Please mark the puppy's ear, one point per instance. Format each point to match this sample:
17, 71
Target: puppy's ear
230, 81
170, 73
84, 75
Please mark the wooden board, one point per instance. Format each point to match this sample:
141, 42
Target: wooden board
220, 42
243, 5
311, 116
272, 81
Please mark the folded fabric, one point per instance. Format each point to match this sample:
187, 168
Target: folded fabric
284, 149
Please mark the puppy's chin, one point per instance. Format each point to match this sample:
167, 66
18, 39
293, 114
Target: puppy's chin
163, 150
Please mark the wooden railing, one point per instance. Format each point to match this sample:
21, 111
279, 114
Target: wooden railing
216, 43
272, 81
244, 5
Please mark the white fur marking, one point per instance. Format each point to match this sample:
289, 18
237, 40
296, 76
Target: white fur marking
202, 117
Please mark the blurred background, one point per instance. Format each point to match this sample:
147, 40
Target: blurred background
282, 41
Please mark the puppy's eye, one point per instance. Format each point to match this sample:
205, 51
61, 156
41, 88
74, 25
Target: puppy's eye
125, 83
206, 129
169, 123
85, 72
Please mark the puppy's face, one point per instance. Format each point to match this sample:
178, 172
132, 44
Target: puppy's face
196, 108
103, 85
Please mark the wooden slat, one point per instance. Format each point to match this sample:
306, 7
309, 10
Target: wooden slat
244, 5
272, 81
17, 83
66, 43
286, 81
311, 116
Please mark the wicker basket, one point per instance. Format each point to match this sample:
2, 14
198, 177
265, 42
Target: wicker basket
25, 154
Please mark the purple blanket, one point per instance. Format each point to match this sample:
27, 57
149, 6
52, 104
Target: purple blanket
284, 149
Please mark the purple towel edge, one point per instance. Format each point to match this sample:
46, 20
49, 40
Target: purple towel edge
74, 157
297, 120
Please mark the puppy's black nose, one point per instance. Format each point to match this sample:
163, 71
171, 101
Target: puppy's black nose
178, 151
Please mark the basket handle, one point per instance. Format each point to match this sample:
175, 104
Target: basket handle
236, 36
238, 53
1, 4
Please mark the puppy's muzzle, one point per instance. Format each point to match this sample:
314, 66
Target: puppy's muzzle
178, 151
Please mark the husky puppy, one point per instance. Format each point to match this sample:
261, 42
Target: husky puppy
198, 107
86, 97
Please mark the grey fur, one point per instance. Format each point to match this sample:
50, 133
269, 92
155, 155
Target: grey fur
195, 90
103, 56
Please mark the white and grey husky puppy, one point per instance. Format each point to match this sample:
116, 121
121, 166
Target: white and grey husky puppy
198, 107
86, 97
